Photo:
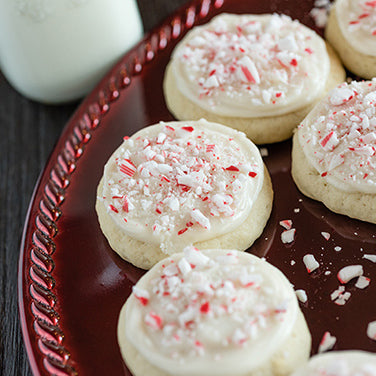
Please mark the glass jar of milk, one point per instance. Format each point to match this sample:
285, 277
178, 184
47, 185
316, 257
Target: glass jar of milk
55, 51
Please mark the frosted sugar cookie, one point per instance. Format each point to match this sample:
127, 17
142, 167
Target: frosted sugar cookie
334, 158
175, 184
213, 313
340, 363
351, 29
260, 74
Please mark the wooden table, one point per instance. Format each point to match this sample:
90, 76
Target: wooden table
28, 131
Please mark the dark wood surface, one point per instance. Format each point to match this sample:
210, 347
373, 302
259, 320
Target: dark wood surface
28, 132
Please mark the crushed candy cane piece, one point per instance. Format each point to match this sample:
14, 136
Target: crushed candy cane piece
337, 248
362, 282
340, 296
302, 295
325, 235
127, 167
286, 223
335, 294
288, 236
249, 70
340, 95
371, 330
330, 141
327, 342
154, 321
320, 12
142, 295
342, 299
310, 263
349, 272
370, 257
194, 256
200, 219
184, 266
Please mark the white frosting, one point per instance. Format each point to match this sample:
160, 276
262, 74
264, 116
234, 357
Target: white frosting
339, 137
251, 65
357, 21
174, 184
205, 313
341, 363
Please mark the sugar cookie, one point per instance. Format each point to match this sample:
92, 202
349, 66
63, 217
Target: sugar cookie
351, 30
213, 313
180, 183
260, 74
334, 158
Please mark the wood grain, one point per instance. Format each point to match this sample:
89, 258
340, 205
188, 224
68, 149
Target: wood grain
28, 132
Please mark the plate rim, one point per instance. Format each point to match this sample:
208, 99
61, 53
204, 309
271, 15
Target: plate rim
42, 336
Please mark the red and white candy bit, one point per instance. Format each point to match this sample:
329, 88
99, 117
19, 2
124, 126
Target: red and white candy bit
200, 219
286, 224
362, 282
370, 257
347, 273
341, 95
301, 295
371, 330
325, 235
310, 263
184, 266
327, 342
188, 128
329, 141
320, 12
154, 321
125, 204
288, 236
127, 167
210, 148
205, 308
113, 208
340, 296
248, 70
141, 295
195, 257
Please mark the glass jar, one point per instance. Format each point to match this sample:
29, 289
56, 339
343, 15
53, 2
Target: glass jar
56, 51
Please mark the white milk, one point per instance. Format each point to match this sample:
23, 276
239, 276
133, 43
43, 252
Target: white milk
57, 50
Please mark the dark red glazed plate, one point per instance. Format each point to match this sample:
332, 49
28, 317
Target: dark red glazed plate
72, 285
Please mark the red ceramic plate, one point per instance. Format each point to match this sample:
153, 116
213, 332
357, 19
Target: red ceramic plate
72, 285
